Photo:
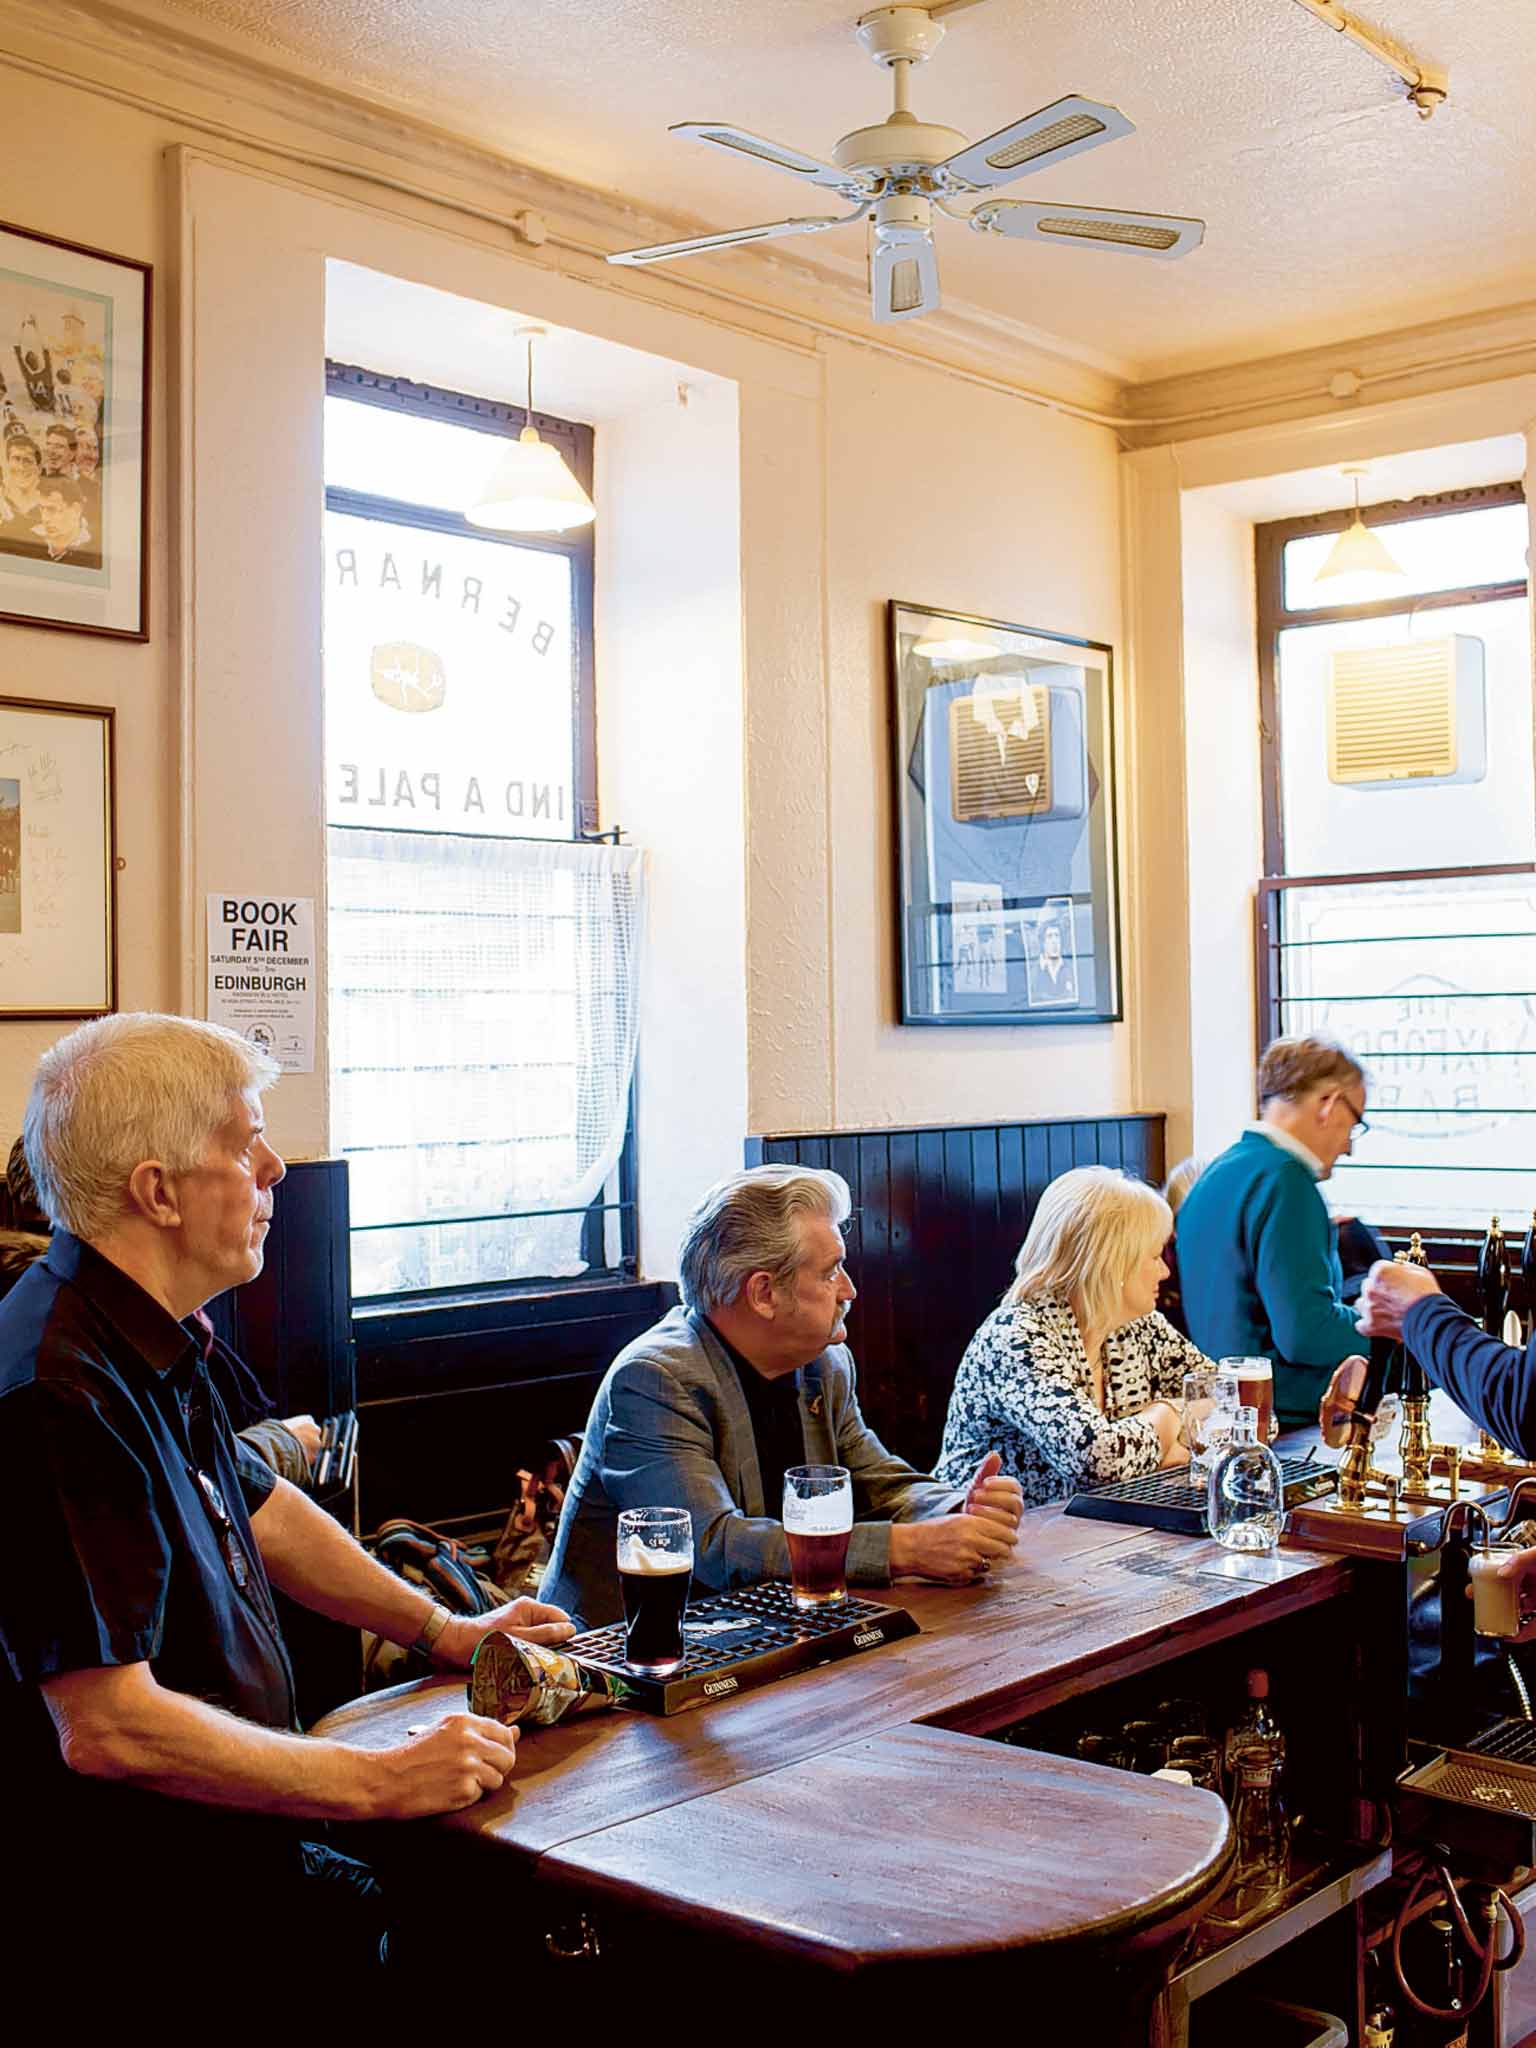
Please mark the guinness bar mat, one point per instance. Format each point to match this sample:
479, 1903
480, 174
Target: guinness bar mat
739, 1640
1168, 1500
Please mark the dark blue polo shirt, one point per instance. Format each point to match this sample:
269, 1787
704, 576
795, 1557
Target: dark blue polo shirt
125, 1504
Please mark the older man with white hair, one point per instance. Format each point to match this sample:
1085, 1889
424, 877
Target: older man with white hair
146, 1700
750, 1376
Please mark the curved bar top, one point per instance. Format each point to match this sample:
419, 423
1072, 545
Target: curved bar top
846, 1815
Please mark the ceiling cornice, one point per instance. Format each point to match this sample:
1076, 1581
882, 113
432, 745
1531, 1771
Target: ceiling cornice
193, 77
1336, 379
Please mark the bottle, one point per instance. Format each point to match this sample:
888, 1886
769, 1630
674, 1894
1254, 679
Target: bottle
1528, 1275
1247, 1491
1493, 1280
1258, 1818
1445, 1975
1257, 1728
1380, 2027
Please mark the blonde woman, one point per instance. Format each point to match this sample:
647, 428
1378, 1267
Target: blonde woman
1074, 1377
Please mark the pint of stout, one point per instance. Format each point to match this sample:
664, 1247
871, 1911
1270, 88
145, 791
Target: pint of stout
818, 1520
1255, 1389
655, 1559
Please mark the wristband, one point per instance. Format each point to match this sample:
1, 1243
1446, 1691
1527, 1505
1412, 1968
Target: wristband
431, 1629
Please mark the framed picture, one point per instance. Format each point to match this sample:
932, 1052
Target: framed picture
1004, 745
58, 861
74, 436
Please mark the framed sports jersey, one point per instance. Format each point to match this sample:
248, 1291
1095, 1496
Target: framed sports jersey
1005, 812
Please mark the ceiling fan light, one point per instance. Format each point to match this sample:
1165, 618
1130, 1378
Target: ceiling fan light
1360, 553
531, 490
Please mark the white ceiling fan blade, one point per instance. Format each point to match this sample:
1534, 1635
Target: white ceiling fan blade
1095, 227
1048, 136
742, 142
698, 245
903, 279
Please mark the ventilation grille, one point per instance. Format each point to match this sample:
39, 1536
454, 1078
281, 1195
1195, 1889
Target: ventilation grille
1070, 128
1000, 755
1085, 229
1392, 712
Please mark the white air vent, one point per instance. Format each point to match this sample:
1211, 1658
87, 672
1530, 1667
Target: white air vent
1000, 754
1413, 712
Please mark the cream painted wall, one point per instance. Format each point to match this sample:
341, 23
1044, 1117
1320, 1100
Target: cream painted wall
112, 197
1226, 847
669, 736
941, 493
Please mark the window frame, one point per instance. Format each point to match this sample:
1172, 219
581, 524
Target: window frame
1269, 544
575, 441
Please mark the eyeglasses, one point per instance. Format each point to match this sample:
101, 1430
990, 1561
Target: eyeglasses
1360, 1126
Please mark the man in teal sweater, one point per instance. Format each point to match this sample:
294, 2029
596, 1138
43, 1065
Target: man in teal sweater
1257, 1260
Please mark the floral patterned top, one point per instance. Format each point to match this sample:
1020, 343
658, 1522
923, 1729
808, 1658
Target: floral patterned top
1025, 1389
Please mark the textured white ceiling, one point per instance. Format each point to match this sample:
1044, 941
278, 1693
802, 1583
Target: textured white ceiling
1332, 209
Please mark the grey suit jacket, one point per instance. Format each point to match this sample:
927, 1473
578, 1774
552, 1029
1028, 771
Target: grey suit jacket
670, 1428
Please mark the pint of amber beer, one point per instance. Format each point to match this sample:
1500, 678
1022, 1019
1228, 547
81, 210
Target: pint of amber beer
1256, 1390
818, 1520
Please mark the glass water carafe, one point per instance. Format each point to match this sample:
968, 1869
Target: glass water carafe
1247, 1491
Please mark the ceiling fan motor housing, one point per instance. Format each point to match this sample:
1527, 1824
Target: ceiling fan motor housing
901, 146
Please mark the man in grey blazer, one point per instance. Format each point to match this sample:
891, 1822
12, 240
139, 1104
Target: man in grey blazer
749, 1375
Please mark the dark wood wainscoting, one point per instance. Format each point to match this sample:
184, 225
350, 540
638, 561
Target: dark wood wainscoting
938, 1219
453, 1398
292, 1324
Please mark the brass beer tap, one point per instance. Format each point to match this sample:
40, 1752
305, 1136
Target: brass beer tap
1420, 1454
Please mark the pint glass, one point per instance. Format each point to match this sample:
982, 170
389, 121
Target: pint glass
655, 1558
1256, 1390
818, 1520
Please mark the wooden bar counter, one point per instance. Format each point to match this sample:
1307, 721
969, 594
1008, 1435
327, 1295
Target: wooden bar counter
846, 1827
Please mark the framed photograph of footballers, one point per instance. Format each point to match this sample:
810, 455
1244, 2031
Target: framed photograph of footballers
74, 436
58, 860
1005, 810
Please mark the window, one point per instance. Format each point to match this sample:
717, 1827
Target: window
1399, 909
482, 948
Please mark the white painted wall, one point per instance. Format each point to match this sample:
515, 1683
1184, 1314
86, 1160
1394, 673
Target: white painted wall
1226, 841
669, 672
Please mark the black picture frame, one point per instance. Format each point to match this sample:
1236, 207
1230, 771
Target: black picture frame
76, 342
1004, 795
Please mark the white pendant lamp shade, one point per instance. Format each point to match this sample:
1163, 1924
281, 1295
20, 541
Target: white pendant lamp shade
531, 489
1362, 558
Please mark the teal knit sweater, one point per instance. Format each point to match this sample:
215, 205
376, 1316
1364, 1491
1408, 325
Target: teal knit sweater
1260, 1272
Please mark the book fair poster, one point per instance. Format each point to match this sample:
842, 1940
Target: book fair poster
261, 973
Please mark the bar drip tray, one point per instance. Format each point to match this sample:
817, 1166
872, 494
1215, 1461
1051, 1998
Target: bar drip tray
1480, 1802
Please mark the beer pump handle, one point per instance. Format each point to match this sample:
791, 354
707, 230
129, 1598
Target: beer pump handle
1380, 1362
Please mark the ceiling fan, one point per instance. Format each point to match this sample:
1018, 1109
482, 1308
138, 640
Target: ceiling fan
895, 174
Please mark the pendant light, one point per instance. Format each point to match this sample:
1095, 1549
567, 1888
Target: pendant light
1363, 557
531, 489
